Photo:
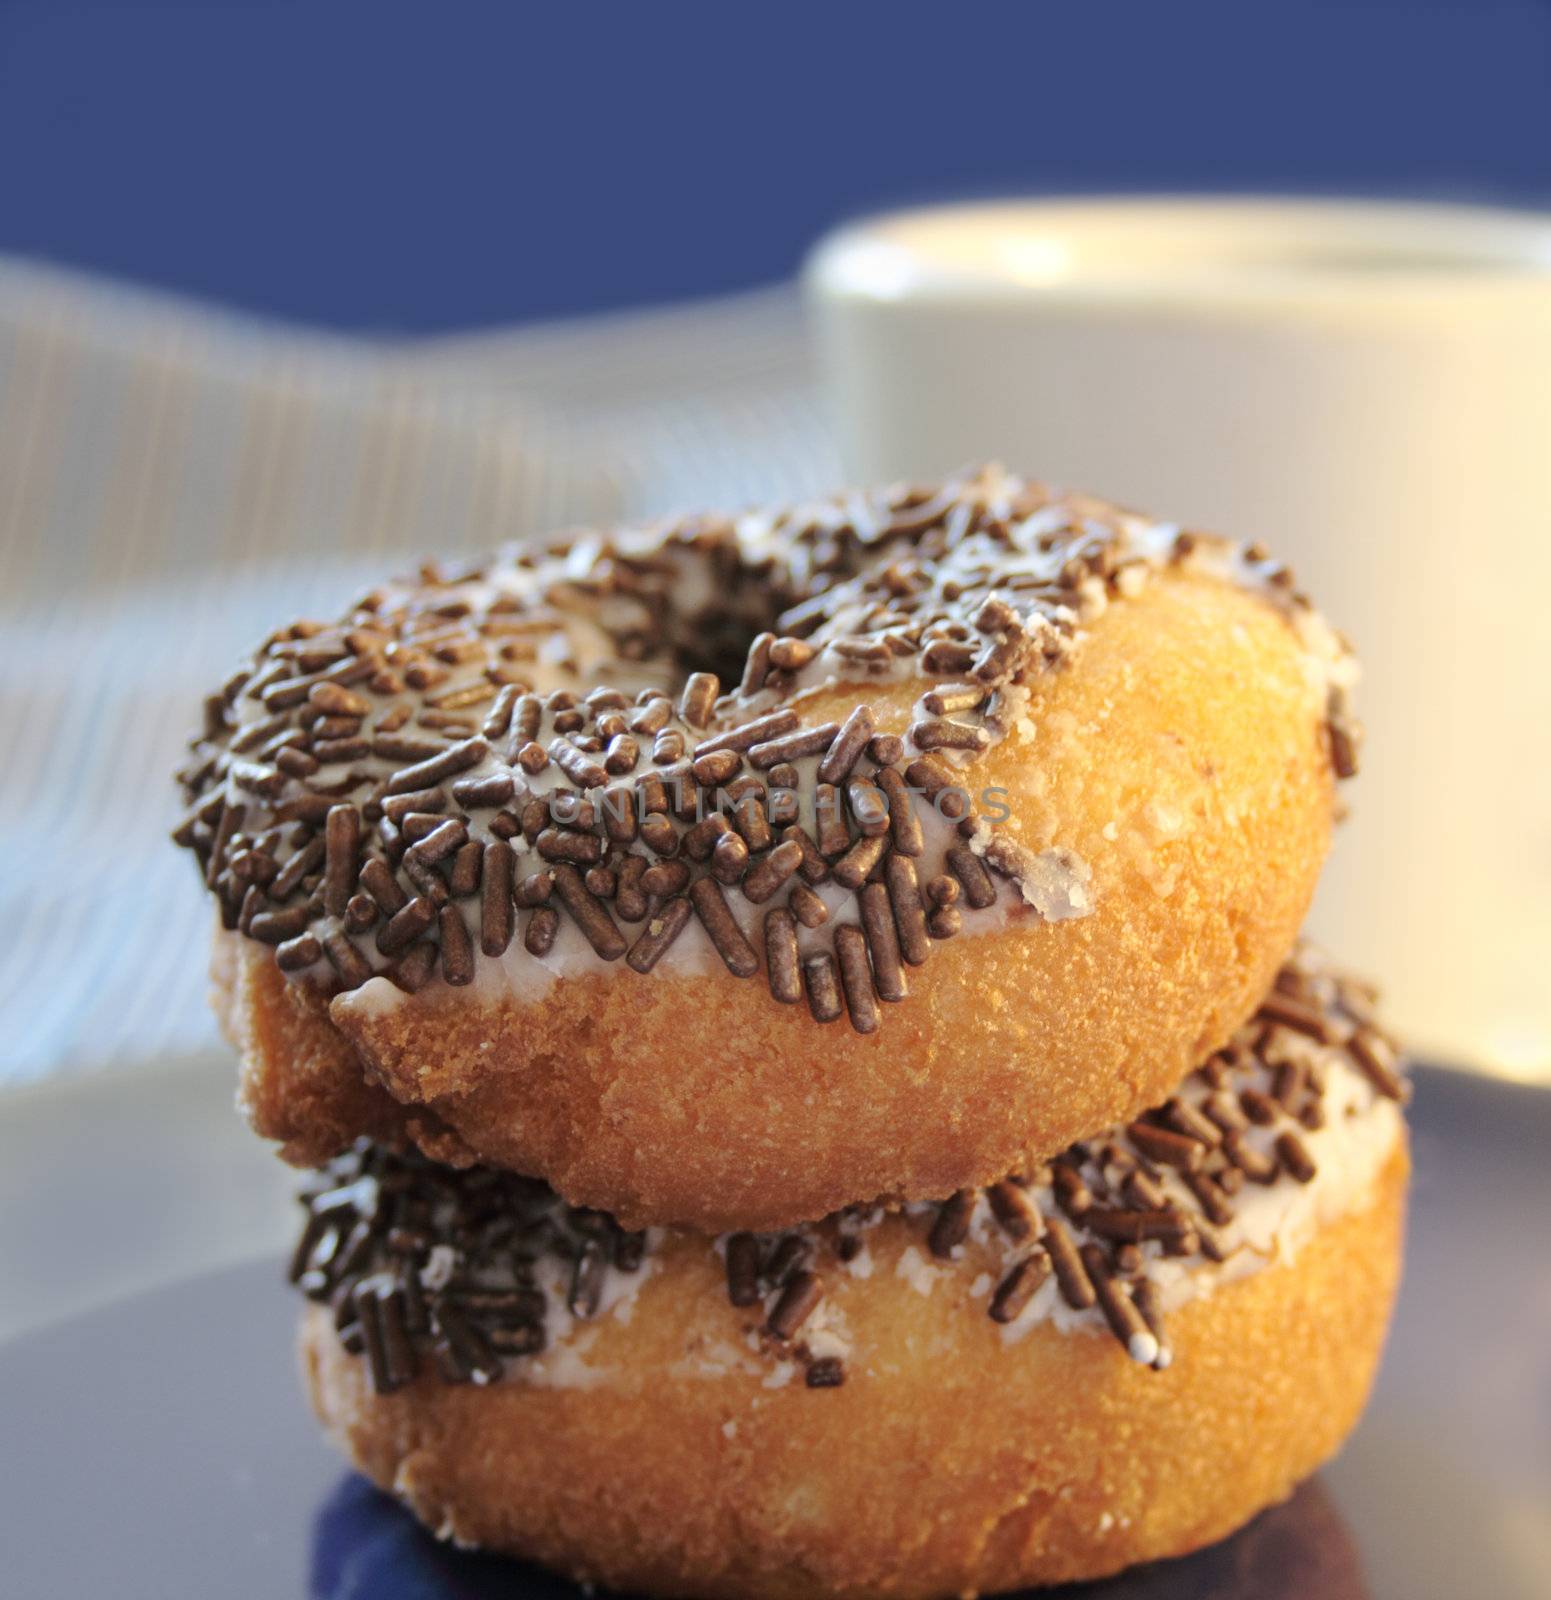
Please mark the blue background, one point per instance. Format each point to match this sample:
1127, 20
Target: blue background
391, 167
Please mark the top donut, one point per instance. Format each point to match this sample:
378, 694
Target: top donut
728, 871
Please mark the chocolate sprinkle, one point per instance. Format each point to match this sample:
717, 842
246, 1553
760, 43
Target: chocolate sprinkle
856, 978
798, 1301
979, 891
729, 860
828, 1372
904, 824
716, 917
1015, 1291
457, 951
807, 907
1014, 1207
661, 930
296, 955
952, 1225
781, 957
342, 837
883, 943
1076, 1287
539, 936
743, 1269
346, 960
772, 871
496, 907
589, 913
406, 925
823, 985
849, 742
899, 876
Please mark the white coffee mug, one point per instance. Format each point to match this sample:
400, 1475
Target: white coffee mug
1364, 386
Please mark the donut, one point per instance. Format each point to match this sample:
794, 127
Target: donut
1117, 1356
1011, 806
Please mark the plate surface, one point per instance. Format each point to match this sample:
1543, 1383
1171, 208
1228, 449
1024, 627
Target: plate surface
160, 1447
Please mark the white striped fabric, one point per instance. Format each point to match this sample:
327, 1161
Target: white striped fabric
706, 404
174, 481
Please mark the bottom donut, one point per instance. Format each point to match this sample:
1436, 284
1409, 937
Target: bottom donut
1121, 1357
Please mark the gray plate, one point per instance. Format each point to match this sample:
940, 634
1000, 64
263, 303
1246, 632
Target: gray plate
161, 1448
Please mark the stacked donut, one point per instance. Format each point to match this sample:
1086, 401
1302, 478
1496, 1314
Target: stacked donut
798, 1028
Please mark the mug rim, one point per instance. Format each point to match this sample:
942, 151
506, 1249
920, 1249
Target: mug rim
1187, 249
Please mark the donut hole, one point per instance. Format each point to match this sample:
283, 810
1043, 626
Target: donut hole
719, 643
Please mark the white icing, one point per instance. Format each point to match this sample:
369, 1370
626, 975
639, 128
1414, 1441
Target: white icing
917, 1270
826, 1333
441, 1264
